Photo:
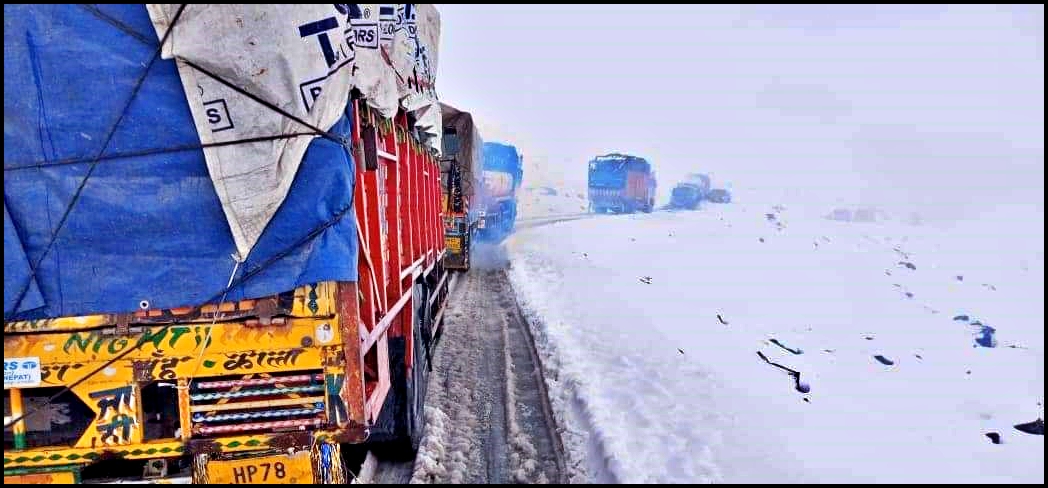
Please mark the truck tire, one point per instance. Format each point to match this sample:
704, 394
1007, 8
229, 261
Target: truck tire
409, 387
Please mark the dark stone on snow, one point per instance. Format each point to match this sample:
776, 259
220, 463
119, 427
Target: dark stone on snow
793, 351
961, 317
1036, 427
994, 437
883, 360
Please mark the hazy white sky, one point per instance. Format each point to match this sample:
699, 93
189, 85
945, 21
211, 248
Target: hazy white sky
938, 105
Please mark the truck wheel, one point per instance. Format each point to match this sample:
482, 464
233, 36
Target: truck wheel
411, 388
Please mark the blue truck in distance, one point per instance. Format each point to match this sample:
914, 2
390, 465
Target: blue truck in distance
621, 183
690, 192
503, 171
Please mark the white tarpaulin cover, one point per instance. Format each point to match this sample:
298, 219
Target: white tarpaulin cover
304, 59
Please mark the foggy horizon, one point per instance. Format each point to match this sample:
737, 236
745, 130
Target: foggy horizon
937, 109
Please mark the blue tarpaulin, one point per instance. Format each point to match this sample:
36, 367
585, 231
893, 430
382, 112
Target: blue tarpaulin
149, 227
505, 158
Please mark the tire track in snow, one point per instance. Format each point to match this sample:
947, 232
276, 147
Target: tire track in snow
485, 414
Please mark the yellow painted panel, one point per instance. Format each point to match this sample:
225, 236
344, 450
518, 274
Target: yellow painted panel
58, 324
310, 301
453, 244
170, 342
56, 478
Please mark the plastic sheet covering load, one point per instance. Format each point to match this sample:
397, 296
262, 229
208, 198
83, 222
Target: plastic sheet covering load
502, 170
416, 39
107, 185
497, 184
261, 50
465, 147
505, 158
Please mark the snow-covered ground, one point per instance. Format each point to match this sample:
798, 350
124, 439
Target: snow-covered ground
650, 326
543, 201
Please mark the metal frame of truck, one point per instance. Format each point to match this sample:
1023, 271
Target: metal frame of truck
263, 390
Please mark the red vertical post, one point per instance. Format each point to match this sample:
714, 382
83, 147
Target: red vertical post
428, 206
396, 263
367, 309
416, 191
374, 233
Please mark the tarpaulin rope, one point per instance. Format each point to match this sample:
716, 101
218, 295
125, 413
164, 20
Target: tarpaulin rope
151, 152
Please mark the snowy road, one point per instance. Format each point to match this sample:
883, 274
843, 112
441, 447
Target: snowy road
488, 416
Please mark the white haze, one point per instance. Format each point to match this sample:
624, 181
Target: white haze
937, 109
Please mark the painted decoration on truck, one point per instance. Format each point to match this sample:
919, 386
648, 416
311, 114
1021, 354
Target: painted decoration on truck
116, 421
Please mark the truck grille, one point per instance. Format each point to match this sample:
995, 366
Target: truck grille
259, 403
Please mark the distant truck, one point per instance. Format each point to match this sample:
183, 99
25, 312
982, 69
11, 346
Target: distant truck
621, 183
460, 174
688, 193
503, 171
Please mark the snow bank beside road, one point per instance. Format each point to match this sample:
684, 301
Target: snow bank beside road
658, 389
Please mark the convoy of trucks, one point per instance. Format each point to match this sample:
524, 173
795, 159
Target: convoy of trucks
461, 173
226, 259
481, 182
621, 183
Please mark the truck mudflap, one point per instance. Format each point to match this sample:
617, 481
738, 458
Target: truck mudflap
320, 464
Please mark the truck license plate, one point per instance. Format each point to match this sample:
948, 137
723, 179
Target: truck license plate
293, 469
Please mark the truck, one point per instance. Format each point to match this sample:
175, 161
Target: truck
503, 171
690, 192
621, 183
461, 166
223, 258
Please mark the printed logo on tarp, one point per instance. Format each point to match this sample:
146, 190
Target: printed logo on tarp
421, 80
218, 115
365, 25
406, 19
335, 40
387, 23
